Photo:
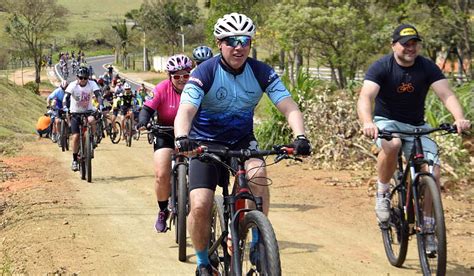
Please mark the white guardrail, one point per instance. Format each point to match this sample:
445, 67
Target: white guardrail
322, 73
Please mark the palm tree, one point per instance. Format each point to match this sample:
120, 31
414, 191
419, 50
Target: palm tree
121, 30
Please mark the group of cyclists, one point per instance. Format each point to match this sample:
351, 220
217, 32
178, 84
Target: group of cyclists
77, 60
213, 104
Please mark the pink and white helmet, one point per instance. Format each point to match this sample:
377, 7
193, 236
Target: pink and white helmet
179, 62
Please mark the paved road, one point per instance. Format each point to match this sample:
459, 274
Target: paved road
98, 65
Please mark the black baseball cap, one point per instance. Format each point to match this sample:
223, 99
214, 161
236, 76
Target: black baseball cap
405, 32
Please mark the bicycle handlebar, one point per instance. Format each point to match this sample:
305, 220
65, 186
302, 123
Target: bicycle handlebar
388, 134
282, 152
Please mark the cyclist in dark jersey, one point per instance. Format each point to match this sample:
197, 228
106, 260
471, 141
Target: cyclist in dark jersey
125, 103
399, 83
217, 106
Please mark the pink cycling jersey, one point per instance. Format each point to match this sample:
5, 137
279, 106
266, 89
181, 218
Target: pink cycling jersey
165, 101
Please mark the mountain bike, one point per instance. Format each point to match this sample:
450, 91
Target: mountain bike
86, 147
178, 204
232, 223
414, 194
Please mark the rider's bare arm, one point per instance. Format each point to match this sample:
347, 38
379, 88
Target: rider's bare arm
449, 99
293, 115
184, 119
367, 96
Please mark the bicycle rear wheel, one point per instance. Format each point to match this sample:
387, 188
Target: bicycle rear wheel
263, 257
88, 154
182, 210
429, 202
395, 231
115, 134
218, 253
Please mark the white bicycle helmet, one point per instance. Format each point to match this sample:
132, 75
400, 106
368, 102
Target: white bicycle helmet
64, 84
179, 62
234, 24
202, 53
127, 86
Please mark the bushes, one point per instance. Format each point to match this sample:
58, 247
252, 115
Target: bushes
332, 124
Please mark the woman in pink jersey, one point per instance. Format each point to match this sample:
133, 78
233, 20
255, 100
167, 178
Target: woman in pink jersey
165, 102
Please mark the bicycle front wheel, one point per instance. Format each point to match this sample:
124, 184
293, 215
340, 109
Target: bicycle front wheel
395, 231
431, 239
82, 156
88, 155
128, 132
150, 138
260, 256
218, 252
115, 134
182, 210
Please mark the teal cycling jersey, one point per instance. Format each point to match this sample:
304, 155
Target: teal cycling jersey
226, 99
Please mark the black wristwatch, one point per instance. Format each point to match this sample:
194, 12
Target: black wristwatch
301, 137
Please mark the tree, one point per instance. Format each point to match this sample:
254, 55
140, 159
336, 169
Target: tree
336, 34
31, 23
123, 40
164, 20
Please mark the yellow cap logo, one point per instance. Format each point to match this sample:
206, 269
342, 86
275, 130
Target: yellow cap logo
407, 31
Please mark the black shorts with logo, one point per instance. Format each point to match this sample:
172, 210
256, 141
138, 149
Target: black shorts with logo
210, 174
163, 139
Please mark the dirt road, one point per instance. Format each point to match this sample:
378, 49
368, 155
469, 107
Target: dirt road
52, 222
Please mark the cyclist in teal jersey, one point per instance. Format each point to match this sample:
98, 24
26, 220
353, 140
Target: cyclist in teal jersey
217, 107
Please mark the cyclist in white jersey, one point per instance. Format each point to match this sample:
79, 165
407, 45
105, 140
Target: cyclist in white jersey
80, 93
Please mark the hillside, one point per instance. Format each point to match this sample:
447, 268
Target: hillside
19, 110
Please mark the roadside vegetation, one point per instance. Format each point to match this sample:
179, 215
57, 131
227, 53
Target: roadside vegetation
19, 110
333, 127
343, 36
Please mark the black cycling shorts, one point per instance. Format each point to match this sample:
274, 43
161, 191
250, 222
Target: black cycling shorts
208, 175
124, 109
163, 140
75, 117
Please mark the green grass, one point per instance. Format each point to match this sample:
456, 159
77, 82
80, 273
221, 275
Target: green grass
19, 110
90, 17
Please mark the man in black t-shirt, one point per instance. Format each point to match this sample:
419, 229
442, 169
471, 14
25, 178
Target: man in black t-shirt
399, 83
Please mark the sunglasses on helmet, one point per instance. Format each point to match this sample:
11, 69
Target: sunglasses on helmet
233, 41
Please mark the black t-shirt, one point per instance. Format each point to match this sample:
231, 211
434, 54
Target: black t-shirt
403, 89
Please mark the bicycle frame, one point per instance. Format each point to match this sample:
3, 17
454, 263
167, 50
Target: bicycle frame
410, 191
418, 197
234, 209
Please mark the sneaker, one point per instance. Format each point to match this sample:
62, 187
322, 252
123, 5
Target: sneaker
54, 138
430, 241
75, 166
255, 256
382, 207
160, 224
207, 270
